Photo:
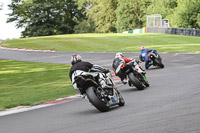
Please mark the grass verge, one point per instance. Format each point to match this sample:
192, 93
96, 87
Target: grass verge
26, 83
110, 43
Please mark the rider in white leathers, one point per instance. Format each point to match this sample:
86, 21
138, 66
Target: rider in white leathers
80, 67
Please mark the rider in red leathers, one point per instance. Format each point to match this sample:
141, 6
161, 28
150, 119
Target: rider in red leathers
121, 64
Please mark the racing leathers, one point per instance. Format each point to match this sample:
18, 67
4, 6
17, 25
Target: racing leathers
121, 64
144, 56
83, 68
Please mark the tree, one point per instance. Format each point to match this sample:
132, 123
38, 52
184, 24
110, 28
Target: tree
45, 17
187, 14
130, 14
86, 26
163, 7
104, 16
101, 13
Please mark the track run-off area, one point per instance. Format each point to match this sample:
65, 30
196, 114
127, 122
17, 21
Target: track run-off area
170, 105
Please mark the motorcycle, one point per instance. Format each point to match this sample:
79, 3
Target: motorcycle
101, 98
136, 76
155, 59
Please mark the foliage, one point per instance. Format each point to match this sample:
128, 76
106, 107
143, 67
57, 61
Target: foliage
45, 17
163, 7
103, 14
86, 26
187, 14
130, 14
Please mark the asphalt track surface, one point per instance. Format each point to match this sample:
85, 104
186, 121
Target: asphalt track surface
170, 105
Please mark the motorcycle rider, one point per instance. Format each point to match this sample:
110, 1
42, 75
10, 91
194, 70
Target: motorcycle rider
144, 56
121, 64
85, 67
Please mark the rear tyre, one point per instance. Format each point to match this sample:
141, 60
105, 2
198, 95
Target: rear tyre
95, 99
135, 81
159, 63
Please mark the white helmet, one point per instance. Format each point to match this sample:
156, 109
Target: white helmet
118, 55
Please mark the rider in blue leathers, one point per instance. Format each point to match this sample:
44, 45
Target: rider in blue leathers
144, 56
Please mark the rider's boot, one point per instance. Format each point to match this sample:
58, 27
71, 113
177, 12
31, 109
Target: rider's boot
124, 81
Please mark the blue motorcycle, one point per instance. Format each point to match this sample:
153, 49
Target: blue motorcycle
155, 59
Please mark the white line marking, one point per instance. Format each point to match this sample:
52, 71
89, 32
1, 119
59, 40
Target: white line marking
13, 111
30, 50
176, 54
23, 109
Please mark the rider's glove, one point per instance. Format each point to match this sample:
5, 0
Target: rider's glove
138, 61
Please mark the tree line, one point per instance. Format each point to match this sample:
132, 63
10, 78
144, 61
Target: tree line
54, 17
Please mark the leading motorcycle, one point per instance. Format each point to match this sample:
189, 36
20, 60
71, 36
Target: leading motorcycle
155, 59
101, 98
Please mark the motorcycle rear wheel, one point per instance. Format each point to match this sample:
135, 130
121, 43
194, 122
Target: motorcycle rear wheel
159, 63
96, 100
135, 81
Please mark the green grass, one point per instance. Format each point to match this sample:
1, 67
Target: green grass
110, 43
25, 83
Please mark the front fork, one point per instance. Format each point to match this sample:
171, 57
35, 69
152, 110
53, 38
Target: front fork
114, 99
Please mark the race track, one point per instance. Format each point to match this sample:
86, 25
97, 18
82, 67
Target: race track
170, 105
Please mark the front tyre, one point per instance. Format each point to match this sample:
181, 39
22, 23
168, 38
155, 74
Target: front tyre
135, 81
121, 100
146, 84
95, 99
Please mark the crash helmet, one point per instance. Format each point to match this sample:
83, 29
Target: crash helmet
142, 48
118, 55
75, 59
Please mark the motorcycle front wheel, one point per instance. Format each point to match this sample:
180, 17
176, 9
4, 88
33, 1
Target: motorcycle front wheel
95, 99
121, 100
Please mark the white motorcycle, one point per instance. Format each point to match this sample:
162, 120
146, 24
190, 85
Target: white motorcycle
102, 98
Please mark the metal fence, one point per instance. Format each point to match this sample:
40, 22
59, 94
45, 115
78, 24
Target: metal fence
176, 31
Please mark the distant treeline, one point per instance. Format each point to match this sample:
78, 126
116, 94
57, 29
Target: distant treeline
53, 17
